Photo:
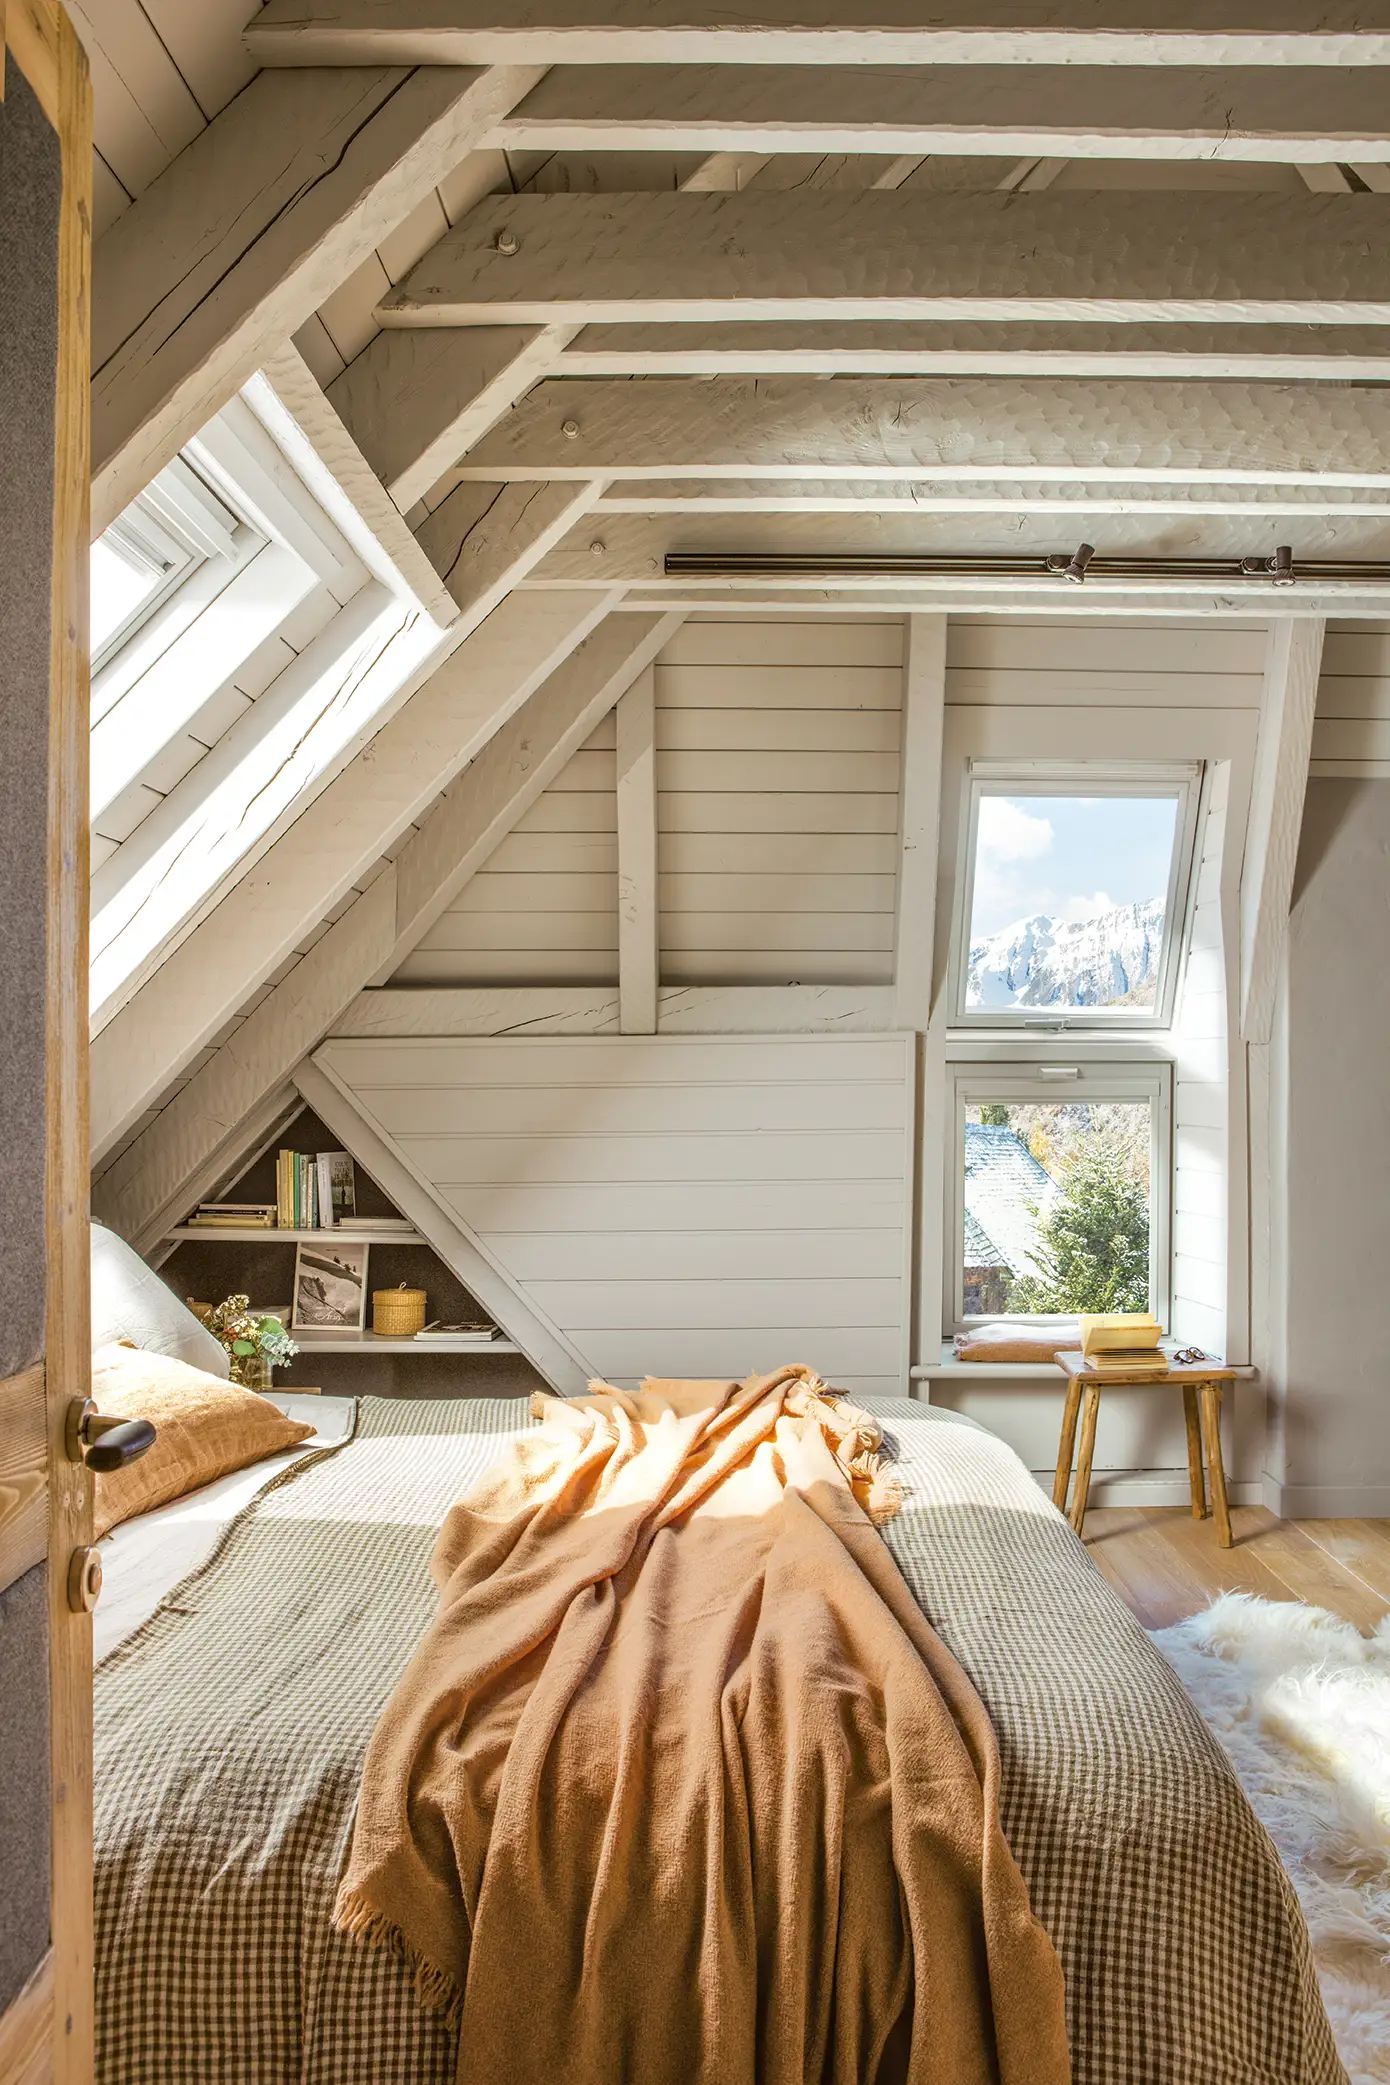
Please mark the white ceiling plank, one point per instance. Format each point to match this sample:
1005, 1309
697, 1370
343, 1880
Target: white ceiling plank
370, 937
849, 347
415, 401
143, 111
327, 848
485, 541
836, 253
1288, 703
953, 430
721, 171
250, 229
1256, 503
822, 32
1059, 112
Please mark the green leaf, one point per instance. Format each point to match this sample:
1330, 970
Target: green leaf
243, 1346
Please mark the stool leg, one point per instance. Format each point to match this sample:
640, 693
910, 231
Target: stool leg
1066, 1444
1194, 1452
1083, 1462
1210, 1395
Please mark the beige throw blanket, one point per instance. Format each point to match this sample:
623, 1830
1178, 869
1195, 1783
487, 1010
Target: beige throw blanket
680, 1786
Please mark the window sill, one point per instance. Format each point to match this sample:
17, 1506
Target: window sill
950, 1367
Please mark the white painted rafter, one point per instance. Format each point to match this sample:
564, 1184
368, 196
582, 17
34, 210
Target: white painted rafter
904, 254
819, 32
256, 222
951, 430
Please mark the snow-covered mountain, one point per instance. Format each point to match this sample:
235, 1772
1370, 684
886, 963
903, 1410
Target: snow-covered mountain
1064, 963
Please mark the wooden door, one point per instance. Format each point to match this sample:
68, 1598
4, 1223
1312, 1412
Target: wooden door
45, 1345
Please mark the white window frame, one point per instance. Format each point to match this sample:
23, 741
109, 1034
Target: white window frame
975, 1084
173, 528
1181, 779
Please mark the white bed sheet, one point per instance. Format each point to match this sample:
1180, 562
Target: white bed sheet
146, 1557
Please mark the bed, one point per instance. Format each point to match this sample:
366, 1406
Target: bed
236, 1694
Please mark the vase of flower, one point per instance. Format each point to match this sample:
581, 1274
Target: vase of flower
256, 1345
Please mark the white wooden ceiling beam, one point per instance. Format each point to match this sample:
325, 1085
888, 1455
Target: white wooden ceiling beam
952, 430
1288, 703
904, 254
639, 932
415, 401
252, 227
141, 1192
634, 548
314, 421
337, 839
485, 541
821, 32
1066, 111
849, 347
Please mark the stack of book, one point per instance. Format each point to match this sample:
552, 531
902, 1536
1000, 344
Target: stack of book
375, 1223
1123, 1343
472, 1330
313, 1191
234, 1216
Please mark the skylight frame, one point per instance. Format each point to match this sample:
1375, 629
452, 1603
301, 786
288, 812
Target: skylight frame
1021, 1083
1045, 779
175, 527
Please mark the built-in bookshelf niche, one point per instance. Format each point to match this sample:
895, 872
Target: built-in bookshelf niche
208, 1265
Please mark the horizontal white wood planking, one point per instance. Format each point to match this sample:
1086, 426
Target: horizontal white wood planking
608, 1177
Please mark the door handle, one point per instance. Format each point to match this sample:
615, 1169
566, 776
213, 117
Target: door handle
105, 1444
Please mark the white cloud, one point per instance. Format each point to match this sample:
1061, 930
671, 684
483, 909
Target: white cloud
1086, 908
1007, 833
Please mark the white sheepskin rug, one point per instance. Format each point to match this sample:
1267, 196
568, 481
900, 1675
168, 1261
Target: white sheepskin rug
1301, 1703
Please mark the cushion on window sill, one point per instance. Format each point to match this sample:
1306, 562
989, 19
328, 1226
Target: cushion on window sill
1017, 1342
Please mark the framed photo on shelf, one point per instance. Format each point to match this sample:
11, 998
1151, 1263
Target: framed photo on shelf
330, 1288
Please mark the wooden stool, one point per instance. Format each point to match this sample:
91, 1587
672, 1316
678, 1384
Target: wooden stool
1202, 1383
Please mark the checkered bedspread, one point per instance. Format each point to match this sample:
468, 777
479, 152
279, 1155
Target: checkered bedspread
230, 1732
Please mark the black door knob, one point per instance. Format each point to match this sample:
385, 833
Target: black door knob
105, 1444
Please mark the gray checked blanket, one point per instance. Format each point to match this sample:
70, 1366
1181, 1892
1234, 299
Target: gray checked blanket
231, 1728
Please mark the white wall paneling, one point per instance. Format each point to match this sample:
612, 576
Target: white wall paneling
778, 757
1351, 726
674, 1206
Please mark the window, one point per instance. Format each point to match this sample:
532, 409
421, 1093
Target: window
148, 552
1059, 1194
1073, 892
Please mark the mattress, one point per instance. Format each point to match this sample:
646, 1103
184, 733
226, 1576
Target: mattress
231, 1726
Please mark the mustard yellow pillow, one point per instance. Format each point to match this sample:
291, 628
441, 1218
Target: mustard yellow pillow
206, 1428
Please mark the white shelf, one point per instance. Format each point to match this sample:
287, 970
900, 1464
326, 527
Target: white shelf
382, 1343
246, 1234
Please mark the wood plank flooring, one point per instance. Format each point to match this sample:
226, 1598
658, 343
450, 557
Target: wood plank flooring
1167, 1565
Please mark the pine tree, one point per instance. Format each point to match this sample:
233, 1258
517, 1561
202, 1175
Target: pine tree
1092, 1251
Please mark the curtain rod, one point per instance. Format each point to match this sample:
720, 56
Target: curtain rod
1075, 568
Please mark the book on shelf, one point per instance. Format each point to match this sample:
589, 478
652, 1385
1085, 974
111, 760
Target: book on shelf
471, 1329
375, 1223
252, 1216
337, 1187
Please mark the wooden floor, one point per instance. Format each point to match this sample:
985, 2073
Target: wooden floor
1167, 1565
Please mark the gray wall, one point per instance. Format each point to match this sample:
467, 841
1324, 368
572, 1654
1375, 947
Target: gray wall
1337, 1390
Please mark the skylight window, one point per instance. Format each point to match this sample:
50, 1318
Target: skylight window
1073, 895
148, 553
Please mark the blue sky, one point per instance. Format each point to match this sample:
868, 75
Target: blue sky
1068, 856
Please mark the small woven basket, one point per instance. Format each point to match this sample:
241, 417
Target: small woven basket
397, 1313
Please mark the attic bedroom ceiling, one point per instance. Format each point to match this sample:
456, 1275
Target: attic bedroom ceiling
513, 303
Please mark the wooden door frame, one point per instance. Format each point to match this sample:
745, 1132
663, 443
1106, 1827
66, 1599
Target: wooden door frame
47, 2033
